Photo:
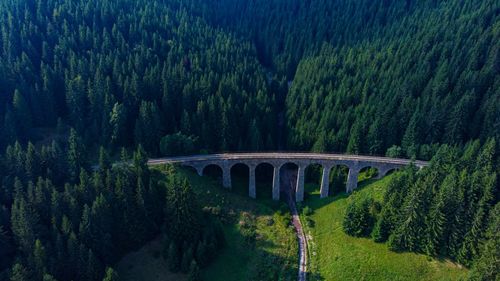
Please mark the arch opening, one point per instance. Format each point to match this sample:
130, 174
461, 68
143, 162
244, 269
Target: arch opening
214, 172
288, 180
390, 171
313, 178
240, 178
264, 180
338, 179
191, 169
367, 173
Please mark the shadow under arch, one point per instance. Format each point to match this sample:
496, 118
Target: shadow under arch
288, 180
240, 174
338, 179
189, 168
214, 172
389, 172
313, 176
264, 180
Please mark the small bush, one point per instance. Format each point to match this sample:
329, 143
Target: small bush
307, 211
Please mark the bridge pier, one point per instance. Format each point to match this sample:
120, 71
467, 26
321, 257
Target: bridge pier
325, 182
299, 190
199, 170
226, 177
252, 191
352, 179
276, 183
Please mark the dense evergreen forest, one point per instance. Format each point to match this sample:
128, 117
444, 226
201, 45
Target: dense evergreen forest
213, 76
83, 82
60, 222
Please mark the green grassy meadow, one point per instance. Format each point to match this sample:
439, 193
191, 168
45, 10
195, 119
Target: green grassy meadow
336, 256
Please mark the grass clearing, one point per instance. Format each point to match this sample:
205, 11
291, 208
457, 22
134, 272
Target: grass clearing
337, 256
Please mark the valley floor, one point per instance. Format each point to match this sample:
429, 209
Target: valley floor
337, 256
262, 245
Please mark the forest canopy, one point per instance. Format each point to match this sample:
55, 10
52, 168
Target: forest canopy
83, 83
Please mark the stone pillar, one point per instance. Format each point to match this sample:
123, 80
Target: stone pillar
276, 183
325, 181
226, 177
199, 170
352, 179
381, 173
299, 190
252, 191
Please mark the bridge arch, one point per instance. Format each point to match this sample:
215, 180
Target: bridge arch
386, 172
240, 177
368, 172
313, 173
288, 173
212, 170
334, 179
263, 178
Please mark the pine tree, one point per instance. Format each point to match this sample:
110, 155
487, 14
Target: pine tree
173, 257
48, 277
407, 235
201, 254
487, 265
39, 259
22, 113
194, 272
117, 123
24, 223
9, 133
104, 161
187, 257
76, 155
111, 275
20, 273
181, 213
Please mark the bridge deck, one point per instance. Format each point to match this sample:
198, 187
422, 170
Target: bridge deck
283, 155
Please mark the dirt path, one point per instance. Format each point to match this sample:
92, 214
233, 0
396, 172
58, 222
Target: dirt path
289, 181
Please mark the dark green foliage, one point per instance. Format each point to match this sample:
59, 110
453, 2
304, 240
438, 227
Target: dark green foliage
128, 80
173, 257
177, 144
20, 273
194, 272
72, 231
111, 275
178, 77
77, 157
358, 220
487, 265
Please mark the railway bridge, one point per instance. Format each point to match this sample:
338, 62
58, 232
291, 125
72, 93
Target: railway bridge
355, 163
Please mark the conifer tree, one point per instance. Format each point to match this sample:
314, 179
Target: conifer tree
111, 275
20, 273
76, 155
194, 272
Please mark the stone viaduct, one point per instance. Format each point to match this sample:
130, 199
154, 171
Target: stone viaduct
355, 163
